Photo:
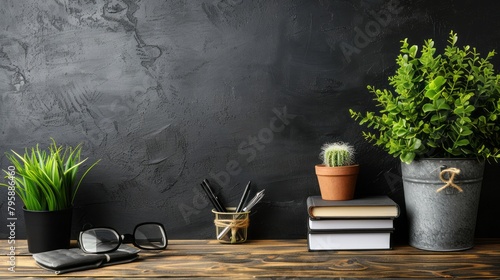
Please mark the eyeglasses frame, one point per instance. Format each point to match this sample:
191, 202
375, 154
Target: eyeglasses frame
125, 238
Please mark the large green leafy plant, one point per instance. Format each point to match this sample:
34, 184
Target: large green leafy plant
45, 180
441, 105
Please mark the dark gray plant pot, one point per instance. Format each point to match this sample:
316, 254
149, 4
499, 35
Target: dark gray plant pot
445, 220
48, 230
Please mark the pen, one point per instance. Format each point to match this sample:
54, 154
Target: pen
216, 207
221, 208
243, 197
254, 201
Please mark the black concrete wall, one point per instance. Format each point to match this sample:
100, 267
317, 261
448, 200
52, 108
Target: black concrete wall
168, 93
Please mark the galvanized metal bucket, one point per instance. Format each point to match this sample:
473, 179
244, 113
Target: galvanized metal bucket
442, 198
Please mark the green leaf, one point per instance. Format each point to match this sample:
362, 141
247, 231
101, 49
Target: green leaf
418, 144
413, 51
466, 132
441, 104
437, 83
429, 107
459, 110
407, 157
401, 132
432, 94
469, 109
437, 118
462, 142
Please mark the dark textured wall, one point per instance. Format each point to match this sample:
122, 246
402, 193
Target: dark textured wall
168, 93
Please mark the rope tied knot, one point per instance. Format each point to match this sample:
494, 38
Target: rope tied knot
234, 224
452, 171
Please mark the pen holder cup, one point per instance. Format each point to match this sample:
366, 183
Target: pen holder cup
231, 227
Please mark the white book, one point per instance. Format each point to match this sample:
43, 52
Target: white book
336, 224
367, 240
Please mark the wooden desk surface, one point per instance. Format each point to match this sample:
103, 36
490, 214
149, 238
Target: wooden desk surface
279, 258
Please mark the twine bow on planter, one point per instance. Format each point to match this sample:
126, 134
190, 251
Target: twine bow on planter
449, 183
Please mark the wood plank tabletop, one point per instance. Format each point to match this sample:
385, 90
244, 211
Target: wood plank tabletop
277, 259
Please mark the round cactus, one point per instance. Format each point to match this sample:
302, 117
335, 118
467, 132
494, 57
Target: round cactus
337, 154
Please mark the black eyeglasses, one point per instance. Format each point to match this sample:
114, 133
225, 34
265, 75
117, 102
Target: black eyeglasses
148, 236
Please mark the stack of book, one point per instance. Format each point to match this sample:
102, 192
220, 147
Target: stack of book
358, 224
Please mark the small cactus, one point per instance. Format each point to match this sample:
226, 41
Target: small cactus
337, 154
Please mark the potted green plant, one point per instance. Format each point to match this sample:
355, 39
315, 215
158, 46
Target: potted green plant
337, 175
442, 119
46, 182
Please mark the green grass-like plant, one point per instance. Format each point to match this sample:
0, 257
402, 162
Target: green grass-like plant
442, 105
337, 154
45, 180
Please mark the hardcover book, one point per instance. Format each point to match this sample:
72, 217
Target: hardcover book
342, 240
349, 224
365, 207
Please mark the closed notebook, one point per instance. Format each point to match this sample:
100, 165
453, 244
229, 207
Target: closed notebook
365, 207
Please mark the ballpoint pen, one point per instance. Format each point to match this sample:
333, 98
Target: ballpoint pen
214, 204
220, 207
243, 197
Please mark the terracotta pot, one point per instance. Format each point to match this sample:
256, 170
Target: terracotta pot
337, 183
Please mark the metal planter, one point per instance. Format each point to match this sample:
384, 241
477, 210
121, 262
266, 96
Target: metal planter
442, 198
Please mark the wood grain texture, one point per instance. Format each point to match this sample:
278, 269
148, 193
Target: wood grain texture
281, 259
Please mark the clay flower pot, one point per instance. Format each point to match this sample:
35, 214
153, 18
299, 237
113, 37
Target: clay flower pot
337, 183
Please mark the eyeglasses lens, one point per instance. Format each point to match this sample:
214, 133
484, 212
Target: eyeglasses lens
150, 237
99, 240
